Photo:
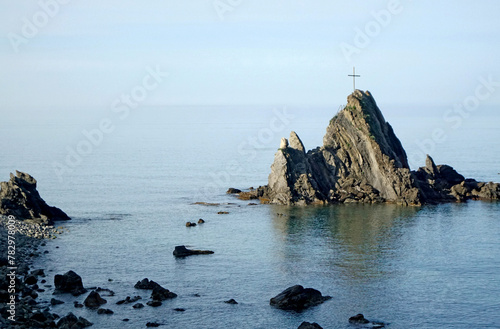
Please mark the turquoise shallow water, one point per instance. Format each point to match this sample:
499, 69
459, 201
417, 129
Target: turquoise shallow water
429, 267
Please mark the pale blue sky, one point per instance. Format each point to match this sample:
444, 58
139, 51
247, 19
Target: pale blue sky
264, 52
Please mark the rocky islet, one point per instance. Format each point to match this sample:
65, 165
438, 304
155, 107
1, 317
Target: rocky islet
361, 161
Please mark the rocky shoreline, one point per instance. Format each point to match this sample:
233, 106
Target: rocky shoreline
28, 313
16, 275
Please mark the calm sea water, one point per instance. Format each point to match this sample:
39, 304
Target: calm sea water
428, 267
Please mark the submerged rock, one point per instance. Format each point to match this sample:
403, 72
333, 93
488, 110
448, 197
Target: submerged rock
360, 320
20, 198
182, 251
361, 160
154, 303
298, 298
70, 282
54, 301
128, 300
105, 311
70, 321
308, 325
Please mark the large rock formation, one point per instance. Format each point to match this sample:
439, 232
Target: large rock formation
19, 198
361, 160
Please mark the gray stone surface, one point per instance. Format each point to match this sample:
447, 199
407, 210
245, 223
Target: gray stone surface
19, 198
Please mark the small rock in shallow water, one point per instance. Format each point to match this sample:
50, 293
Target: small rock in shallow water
298, 298
182, 251
308, 325
154, 303
358, 319
179, 310
201, 221
105, 292
231, 301
138, 306
70, 321
70, 282
94, 300
361, 320
146, 284
30, 280
152, 324
189, 224
128, 300
39, 272
159, 294
54, 301
105, 311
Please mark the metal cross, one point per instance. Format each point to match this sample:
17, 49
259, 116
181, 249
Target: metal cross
354, 76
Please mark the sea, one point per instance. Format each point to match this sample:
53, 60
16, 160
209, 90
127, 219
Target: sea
131, 182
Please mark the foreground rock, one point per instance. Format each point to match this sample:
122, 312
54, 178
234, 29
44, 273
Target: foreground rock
182, 251
94, 300
361, 160
360, 320
298, 298
19, 198
146, 284
70, 282
160, 294
70, 321
308, 325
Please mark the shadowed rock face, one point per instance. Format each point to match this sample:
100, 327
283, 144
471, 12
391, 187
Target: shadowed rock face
298, 298
362, 160
19, 197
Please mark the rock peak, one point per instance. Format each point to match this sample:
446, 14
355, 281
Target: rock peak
296, 143
362, 160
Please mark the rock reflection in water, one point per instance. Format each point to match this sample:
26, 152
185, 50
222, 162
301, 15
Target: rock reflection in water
352, 242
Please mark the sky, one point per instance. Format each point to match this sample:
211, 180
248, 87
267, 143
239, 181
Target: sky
69, 55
